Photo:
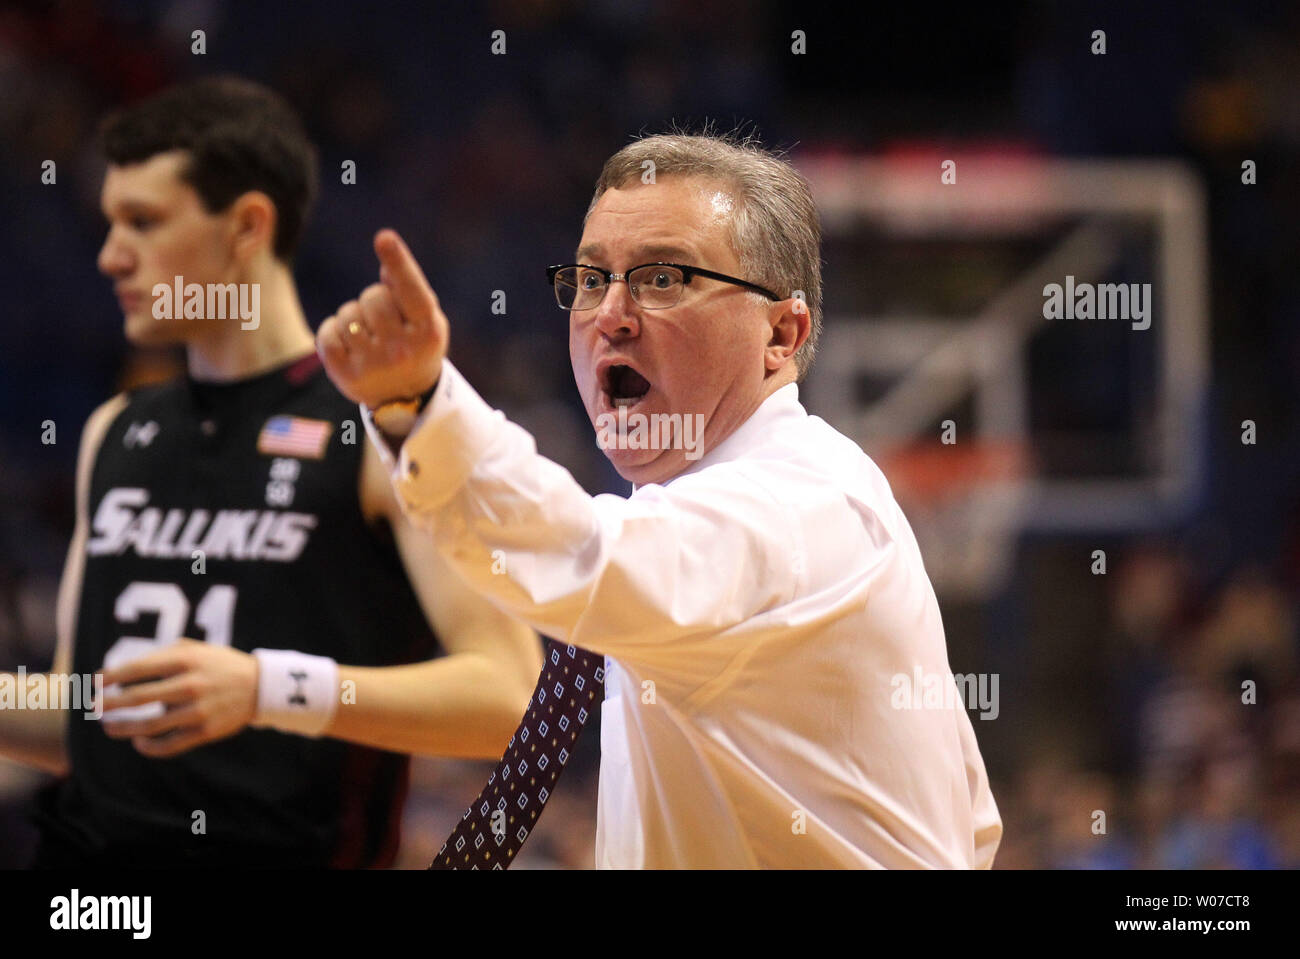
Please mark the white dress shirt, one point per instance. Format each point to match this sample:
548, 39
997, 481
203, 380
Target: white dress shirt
755, 612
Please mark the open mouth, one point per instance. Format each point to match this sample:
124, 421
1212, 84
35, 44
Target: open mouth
624, 386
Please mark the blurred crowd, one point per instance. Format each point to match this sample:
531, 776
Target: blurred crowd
486, 164
1198, 753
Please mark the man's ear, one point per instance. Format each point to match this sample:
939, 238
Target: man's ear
791, 323
252, 220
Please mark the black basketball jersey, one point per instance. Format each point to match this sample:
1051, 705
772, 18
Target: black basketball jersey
229, 513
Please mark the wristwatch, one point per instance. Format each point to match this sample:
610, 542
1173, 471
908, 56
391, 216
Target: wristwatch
395, 418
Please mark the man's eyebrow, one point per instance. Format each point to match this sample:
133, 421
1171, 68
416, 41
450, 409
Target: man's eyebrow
127, 206
643, 254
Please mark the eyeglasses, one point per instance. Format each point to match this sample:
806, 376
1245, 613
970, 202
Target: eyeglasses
654, 286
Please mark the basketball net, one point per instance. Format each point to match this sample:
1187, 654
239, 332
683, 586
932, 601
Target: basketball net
963, 502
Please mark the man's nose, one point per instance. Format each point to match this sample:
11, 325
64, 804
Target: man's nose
115, 258
617, 315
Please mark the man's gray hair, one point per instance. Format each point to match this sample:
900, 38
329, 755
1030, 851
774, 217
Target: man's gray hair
775, 230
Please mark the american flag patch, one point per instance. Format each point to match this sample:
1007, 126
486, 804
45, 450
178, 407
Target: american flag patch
294, 436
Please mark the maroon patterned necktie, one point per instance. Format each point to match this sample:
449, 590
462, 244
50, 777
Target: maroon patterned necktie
496, 824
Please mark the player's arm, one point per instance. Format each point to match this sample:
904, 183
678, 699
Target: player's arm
37, 737
464, 704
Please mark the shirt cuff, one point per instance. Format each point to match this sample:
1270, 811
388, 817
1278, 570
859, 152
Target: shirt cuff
387, 454
449, 437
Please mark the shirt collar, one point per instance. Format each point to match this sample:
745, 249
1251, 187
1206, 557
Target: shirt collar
782, 405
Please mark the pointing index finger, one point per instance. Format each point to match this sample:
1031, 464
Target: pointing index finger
402, 274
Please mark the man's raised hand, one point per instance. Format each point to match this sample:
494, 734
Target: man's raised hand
389, 342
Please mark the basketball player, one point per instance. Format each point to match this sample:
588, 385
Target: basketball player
239, 560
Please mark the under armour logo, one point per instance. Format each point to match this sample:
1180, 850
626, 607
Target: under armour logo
296, 698
138, 434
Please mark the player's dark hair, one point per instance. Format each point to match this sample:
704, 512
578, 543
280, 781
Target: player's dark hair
240, 136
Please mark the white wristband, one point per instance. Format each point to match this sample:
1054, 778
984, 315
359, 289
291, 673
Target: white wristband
296, 692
